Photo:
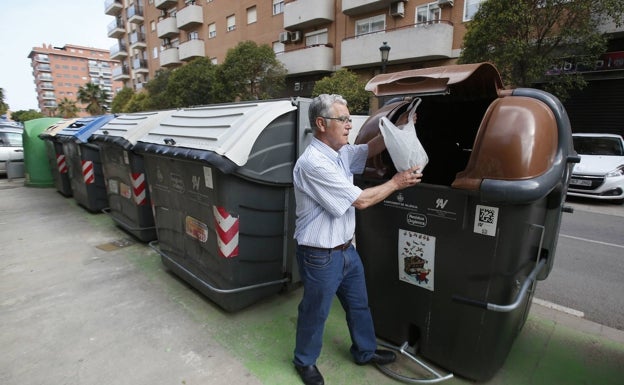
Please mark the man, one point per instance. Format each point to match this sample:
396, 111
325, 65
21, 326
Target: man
328, 263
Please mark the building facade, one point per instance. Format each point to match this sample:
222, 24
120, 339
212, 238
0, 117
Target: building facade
60, 71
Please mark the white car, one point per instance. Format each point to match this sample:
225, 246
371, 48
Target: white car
600, 174
10, 146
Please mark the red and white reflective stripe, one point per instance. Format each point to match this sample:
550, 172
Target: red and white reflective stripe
227, 232
88, 174
60, 164
138, 188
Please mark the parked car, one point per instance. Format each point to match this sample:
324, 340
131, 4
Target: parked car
600, 174
10, 146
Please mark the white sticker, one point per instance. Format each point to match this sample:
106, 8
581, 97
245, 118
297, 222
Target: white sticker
113, 186
416, 258
208, 177
486, 218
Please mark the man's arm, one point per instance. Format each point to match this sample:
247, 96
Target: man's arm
373, 195
376, 145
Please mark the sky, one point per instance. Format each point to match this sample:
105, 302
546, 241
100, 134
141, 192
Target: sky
29, 24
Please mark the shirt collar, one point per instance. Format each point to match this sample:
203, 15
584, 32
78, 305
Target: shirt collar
324, 149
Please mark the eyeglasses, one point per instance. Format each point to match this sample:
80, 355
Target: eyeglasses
342, 119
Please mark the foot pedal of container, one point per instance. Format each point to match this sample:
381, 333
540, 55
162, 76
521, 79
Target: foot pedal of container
403, 349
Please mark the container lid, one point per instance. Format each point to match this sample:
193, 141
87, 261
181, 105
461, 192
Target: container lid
82, 128
228, 130
55, 128
125, 130
481, 78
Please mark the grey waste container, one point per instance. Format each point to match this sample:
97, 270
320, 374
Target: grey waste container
451, 262
220, 179
124, 171
56, 156
83, 162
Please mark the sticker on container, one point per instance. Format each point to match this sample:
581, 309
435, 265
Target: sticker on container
416, 258
113, 186
486, 218
196, 229
208, 177
125, 190
125, 157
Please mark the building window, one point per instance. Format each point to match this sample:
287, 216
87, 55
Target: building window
316, 38
252, 17
193, 35
370, 25
212, 31
153, 25
278, 7
155, 53
470, 8
428, 13
231, 23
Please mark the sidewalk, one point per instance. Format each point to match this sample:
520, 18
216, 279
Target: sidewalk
82, 302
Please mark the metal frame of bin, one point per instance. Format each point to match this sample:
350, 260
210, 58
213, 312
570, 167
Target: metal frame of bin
56, 156
124, 172
451, 263
220, 179
83, 162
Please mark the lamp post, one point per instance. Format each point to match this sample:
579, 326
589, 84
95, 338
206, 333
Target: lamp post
384, 50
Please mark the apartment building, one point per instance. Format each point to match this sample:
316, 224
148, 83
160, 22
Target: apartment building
60, 71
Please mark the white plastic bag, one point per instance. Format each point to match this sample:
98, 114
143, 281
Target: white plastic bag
402, 143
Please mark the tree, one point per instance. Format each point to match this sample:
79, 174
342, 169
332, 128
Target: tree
192, 84
138, 102
347, 84
67, 108
524, 38
3, 106
121, 100
157, 90
26, 115
94, 97
250, 72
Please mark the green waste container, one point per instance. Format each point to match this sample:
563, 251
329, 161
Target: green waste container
36, 168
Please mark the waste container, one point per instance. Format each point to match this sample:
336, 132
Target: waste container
124, 172
451, 262
37, 172
83, 162
220, 179
56, 156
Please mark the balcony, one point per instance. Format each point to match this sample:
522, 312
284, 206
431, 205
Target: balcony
135, 14
45, 77
307, 13
358, 7
414, 43
189, 17
309, 60
137, 40
165, 4
50, 104
42, 58
46, 86
121, 73
191, 49
116, 29
140, 66
48, 96
167, 28
170, 58
113, 7
118, 51
44, 68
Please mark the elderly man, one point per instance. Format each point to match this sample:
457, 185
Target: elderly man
328, 262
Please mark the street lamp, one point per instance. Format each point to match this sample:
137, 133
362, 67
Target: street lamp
384, 50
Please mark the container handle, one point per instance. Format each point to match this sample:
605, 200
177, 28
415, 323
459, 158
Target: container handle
153, 246
506, 308
403, 350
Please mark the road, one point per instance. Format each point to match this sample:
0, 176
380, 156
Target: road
588, 275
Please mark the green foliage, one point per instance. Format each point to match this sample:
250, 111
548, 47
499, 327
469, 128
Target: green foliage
191, 85
523, 38
249, 72
3, 106
121, 100
138, 102
157, 90
94, 97
67, 108
26, 115
347, 84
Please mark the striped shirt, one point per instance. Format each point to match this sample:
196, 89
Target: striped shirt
324, 191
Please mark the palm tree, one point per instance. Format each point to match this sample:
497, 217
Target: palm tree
94, 97
67, 108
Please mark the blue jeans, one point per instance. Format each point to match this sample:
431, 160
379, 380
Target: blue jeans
324, 274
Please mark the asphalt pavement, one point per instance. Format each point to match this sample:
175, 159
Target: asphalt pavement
82, 302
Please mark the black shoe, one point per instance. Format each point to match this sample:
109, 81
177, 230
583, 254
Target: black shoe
381, 357
310, 375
